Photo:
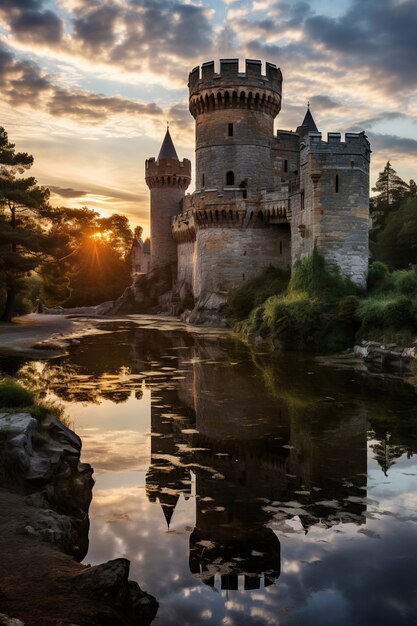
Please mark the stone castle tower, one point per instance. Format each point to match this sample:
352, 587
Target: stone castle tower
167, 179
260, 199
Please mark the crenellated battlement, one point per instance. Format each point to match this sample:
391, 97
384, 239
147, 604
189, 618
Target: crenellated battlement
167, 173
210, 91
355, 143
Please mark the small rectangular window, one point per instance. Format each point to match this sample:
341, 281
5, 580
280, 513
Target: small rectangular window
230, 130
280, 247
285, 165
352, 164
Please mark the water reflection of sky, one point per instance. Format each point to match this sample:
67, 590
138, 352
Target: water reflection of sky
314, 488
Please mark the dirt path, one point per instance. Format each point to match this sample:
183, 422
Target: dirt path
24, 332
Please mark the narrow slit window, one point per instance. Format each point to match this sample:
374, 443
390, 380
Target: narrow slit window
280, 247
230, 130
336, 183
203, 180
230, 178
285, 165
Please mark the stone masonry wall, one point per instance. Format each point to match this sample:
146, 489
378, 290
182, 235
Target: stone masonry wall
165, 203
226, 257
247, 153
332, 207
186, 262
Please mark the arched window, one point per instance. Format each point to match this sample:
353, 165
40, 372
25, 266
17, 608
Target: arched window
230, 178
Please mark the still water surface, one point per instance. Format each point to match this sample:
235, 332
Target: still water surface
245, 489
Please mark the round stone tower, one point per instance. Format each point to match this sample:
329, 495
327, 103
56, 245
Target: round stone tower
234, 115
167, 178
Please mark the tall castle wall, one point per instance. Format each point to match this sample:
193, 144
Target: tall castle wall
331, 207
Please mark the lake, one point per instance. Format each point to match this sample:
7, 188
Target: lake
245, 488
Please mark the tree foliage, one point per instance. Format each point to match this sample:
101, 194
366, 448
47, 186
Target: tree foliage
23, 222
67, 256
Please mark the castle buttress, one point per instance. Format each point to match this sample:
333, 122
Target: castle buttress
260, 199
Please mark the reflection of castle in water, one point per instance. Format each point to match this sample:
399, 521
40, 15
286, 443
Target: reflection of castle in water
258, 459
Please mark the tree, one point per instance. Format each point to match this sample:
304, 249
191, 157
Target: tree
397, 243
93, 255
391, 190
23, 222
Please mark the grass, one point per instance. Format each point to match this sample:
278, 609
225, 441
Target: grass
319, 310
13, 396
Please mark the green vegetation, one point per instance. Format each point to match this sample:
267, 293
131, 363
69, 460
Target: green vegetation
321, 311
269, 282
314, 310
14, 396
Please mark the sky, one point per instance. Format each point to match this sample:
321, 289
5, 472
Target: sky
87, 86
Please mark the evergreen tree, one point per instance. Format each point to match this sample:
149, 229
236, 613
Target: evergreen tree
391, 190
23, 221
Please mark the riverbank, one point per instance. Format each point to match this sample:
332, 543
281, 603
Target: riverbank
36, 334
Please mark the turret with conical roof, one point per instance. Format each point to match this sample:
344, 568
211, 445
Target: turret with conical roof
308, 124
168, 178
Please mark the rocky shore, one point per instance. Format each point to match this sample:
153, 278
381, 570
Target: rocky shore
45, 493
387, 356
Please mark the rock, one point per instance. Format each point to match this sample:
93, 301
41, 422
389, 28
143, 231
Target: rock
16, 433
5, 620
53, 528
109, 582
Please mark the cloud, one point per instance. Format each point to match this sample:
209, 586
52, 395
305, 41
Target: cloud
393, 144
141, 34
324, 103
95, 25
24, 84
373, 35
43, 27
67, 192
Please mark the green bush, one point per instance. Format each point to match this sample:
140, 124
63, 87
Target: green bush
377, 274
271, 281
310, 275
13, 395
405, 281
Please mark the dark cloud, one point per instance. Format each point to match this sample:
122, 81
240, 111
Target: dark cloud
92, 107
67, 192
383, 116
376, 36
94, 26
149, 33
23, 83
393, 144
324, 103
43, 27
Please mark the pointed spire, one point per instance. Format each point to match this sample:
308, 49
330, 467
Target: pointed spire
167, 150
168, 502
309, 122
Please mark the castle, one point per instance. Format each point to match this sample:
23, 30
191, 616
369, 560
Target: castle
260, 199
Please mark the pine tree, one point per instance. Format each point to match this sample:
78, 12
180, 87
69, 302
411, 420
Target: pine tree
23, 216
391, 189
